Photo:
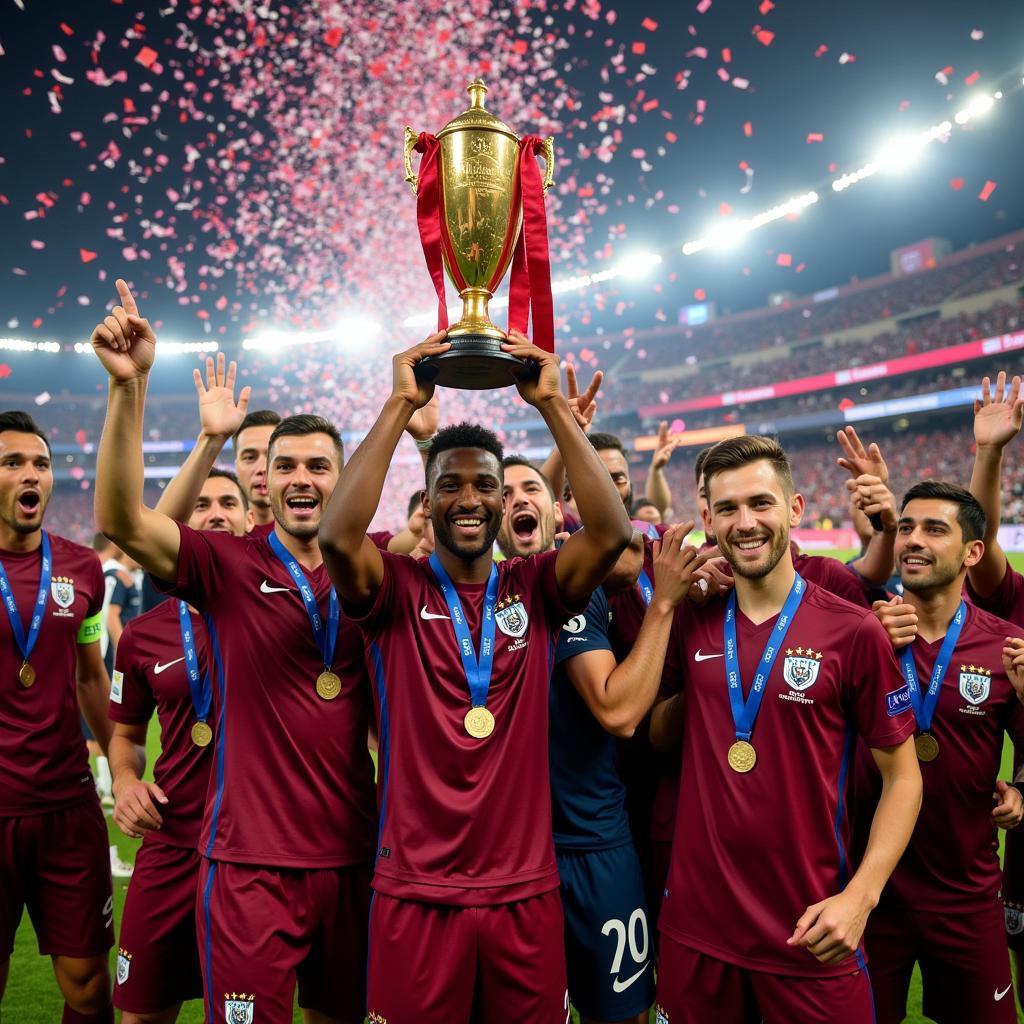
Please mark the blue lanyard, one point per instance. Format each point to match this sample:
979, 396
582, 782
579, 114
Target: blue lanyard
478, 670
26, 646
924, 704
326, 639
198, 682
744, 713
646, 590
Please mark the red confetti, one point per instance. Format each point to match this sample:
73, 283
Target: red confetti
956, 184
650, 24
726, 55
990, 187
821, 50
724, 209
639, 48
700, 295
87, 255
147, 56
5, 371
748, 129
519, 46
972, 78
815, 137
784, 259
766, 6
332, 37
764, 37
66, 29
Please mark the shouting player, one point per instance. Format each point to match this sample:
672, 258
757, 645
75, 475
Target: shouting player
466, 900
778, 678
162, 665
280, 899
942, 906
54, 853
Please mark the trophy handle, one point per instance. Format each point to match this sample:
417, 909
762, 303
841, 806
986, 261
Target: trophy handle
548, 151
411, 138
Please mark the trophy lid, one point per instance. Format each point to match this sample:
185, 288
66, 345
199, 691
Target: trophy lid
477, 116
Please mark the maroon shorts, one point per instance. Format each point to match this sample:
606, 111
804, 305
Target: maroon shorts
157, 952
433, 964
659, 858
262, 930
965, 969
58, 865
694, 988
1013, 888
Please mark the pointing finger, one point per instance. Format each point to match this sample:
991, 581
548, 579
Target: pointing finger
126, 297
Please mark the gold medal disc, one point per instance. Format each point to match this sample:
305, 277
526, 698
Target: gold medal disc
927, 747
328, 685
479, 723
26, 675
201, 734
742, 757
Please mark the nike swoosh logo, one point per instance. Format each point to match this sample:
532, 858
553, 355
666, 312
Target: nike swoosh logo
424, 614
268, 589
621, 986
158, 668
704, 657
999, 995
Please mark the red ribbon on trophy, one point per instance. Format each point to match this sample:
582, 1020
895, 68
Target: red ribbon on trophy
428, 218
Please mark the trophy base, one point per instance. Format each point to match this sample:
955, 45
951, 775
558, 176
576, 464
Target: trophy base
475, 362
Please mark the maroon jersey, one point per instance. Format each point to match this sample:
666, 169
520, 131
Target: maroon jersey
830, 574
43, 762
1006, 601
382, 538
149, 673
464, 821
263, 529
952, 862
752, 852
292, 784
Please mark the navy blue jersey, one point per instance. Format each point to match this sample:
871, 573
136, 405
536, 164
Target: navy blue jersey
587, 795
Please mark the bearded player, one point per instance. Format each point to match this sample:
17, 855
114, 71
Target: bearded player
280, 901
54, 851
761, 918
942, 906
162, 665
466, 903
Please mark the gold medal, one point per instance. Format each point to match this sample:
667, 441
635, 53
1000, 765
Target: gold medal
201, 734
742, 757
927, 747
328, 685
26, 675
479, 723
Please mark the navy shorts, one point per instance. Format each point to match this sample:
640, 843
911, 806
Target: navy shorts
609, 951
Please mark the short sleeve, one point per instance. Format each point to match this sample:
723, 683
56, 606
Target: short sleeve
382, 538
369, 618
131, 698
204, 566
1007, 599
557, 611
585, 632
880, 701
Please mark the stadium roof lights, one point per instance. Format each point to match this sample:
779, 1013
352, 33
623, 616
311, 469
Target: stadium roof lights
25, 345
353, 331
166, 348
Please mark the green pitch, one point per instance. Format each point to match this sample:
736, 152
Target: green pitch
32, 996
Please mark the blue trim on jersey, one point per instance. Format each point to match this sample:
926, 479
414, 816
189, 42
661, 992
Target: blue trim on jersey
208, 945
222, 685
383, 740
844, 771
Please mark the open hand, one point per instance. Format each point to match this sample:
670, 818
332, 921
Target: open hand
857, 460
998, 416
219, 414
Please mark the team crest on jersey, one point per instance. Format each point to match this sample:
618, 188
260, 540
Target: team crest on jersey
660, 1016
124, 965
511, 616
62, 590
975, 683
1013, 915
800, 669
239, 1008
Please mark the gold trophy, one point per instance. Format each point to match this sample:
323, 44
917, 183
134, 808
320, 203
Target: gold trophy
474, 178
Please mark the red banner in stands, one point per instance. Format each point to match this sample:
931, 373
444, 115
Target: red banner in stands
839, 378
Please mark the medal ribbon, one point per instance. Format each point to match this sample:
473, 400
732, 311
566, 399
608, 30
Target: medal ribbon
198, 682
27, 644
744, 713
477, 669
646, 588
924, 704
326, 639
428, 218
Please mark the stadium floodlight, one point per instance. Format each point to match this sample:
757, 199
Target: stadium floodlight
165, 348
898, 154
356, 332
638, 264
26, 345
728, 233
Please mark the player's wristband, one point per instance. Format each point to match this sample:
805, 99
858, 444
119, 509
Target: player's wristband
424, 445
91, 629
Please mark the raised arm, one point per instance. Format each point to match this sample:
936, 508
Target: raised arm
997, 421
352, 559
586, 557
658, 489
219, 417
126, 346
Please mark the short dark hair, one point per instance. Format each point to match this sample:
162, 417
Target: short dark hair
22, 423
227, 474
698, 464
969, 514
415, 500
463, 435
736, 452
642, 503
522, 460
257, 418
602, 442
304, 424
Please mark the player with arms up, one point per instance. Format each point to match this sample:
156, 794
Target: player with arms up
466, 908
280, 901
54, 854
761, 917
